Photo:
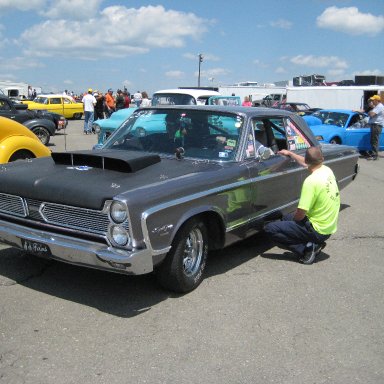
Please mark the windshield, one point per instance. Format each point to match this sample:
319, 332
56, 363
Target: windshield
185, 133
332, 118
172, 99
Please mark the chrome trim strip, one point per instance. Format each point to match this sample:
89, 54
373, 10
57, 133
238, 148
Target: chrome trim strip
233, 227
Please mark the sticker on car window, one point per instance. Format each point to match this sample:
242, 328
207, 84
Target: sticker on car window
223, 154
231, 143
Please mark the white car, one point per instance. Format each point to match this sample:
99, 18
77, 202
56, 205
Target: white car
183, 96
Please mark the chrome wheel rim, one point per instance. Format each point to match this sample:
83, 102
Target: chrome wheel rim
193, 252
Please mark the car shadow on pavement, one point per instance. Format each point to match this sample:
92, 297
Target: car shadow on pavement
119, 295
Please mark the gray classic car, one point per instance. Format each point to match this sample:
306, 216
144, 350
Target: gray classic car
200, 179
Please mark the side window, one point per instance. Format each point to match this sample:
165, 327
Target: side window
56, 100
277, 134
4, 106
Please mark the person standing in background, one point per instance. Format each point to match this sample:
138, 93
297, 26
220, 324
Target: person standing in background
246, 102
89, 103
376, 122
110, 106
119, 100
137, 98
145, 102
99, 107
127, 99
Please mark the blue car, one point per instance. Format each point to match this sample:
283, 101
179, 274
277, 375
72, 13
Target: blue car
105, 127
342, 126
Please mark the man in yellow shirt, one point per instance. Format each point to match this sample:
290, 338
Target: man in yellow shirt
315, 219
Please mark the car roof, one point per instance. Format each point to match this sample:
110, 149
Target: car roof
189, 91
249, 111
338, 110
54, 95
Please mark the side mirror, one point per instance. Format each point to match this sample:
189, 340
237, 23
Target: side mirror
264, 153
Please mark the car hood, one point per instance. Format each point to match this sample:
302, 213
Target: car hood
88, 178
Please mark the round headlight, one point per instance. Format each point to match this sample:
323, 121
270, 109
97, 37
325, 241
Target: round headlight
118, 212
119, 235
96, 128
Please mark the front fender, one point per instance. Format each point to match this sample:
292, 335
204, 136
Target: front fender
13, 144
48, 124
160, 226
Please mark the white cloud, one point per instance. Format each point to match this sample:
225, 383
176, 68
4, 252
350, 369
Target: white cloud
127, 83
73, 9
18, 63
319, 61
280, 70
351, 21
22, 5
213, 72
281, 23
120, 31
175, 74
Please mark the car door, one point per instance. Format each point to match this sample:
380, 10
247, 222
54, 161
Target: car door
56, 104
276, 180
358, 133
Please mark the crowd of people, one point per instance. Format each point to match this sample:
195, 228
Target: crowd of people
98, 105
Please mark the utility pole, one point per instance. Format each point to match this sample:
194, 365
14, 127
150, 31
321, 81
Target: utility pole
200, 61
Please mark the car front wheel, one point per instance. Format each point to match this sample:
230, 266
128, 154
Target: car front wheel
335, 140
183, 268
43, 134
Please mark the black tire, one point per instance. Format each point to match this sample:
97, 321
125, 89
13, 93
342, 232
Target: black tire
43, 134
22, 155
77, 116
335, 140
183, 268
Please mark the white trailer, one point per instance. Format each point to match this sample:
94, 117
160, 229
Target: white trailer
253, 92
334, 97
16, 90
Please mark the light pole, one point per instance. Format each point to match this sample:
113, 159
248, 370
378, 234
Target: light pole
200, 61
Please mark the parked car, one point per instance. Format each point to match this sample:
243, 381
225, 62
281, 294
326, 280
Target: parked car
207, 178
62, 104
42, 123
17, 142
105, 127
183, 96
299, 108
342, 126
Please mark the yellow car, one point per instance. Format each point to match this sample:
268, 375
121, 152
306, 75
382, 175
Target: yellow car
61, 104
18, 142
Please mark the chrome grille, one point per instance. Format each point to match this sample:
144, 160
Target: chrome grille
77, 218
13, 205
82, 219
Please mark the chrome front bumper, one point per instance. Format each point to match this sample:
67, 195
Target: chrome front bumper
77, 251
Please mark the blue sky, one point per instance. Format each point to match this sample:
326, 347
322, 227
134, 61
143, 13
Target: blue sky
149, 45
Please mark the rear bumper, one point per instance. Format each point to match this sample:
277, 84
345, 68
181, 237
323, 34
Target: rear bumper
76, 251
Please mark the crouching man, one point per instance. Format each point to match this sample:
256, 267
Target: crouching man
315, 219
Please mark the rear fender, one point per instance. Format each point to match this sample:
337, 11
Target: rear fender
14, 144
48, 124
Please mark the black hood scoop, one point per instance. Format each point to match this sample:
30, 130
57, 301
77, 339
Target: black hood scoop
114, 160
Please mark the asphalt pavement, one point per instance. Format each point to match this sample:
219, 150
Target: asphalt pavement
258, 317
